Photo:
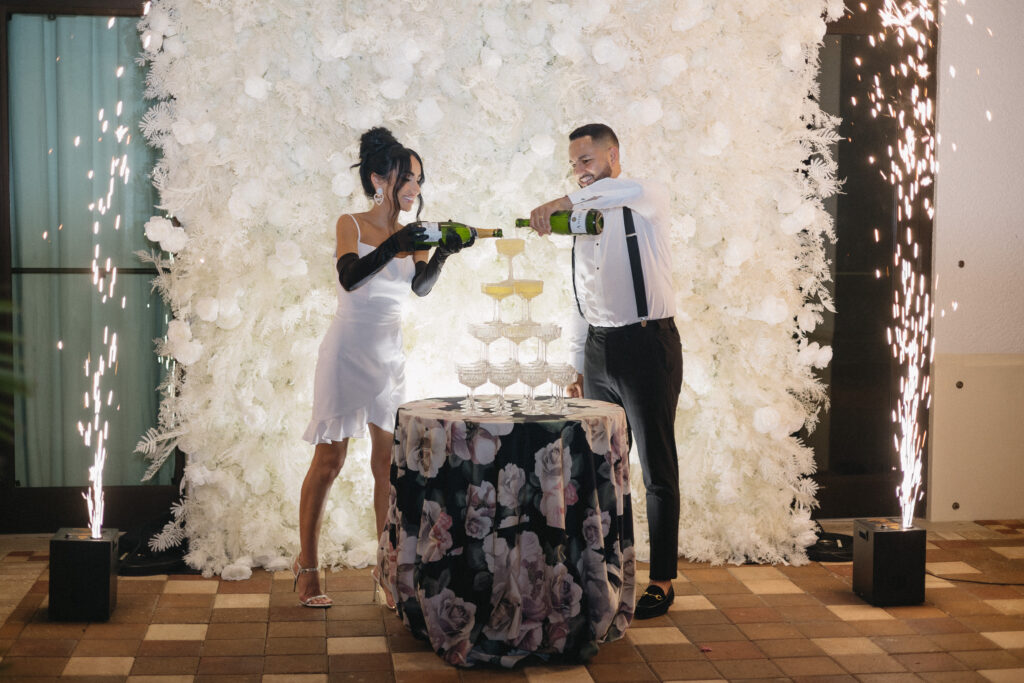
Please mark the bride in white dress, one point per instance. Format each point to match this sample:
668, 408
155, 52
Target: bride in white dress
360, 369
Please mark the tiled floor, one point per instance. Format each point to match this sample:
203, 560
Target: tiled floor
728, 623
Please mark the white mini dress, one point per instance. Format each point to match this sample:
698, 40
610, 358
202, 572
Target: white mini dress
360, 368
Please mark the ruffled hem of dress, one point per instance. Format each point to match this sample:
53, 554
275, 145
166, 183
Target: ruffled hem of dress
347, 426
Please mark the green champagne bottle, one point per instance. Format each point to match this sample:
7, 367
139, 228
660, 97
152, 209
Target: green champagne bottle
438, 230
575, 222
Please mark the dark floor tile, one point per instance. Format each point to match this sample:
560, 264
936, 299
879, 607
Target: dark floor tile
110, 631
704, 633
790, 647
752, 615
684, 671
930, 626
827, 629
239, 615
296, 646
618, 652
295, 664
360, 677
731, 649
231, 665
370, 627
12, 667
42, 647
228, 647
163, 666
297, 629
988, 659
739, 669
181, 615
168, 600
235, 631
621, 672
670, 653
808, 666
869, 664
769, 631
375, 661
106, 648
929, 661
170, 648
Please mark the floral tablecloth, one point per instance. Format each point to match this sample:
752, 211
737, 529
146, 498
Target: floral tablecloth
510, 536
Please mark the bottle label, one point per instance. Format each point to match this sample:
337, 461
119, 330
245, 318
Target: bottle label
578, 222
432, 232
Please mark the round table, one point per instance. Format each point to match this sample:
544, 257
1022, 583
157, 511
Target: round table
510, 535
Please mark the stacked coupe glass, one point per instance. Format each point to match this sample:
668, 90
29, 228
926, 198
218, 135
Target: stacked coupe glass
525, 363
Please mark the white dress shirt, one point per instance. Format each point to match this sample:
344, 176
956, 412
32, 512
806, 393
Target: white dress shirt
604, 281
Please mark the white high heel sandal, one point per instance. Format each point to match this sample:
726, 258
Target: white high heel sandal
322, 600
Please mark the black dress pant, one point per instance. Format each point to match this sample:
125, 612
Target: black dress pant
641, 369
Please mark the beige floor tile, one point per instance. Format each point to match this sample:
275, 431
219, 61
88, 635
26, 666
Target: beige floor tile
1011, 606
934, 582
690, 603
417, 661
943, 568
357, 645
98, 666
756, 573
847, 646
1003, 675
572, 674
176, 632
859, 612
772, 586
241, 600
667, 635
1014, 552
191, 586
1008, 640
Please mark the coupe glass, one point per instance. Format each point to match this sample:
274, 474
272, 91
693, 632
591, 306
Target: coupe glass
497, 291
517, 333
510, 247
545, 334
503, 375
532, 375
528, 289
561, 375
485, 333
472, 375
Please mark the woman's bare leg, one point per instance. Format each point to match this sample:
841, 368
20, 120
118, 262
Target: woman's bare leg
381, 444
323, 470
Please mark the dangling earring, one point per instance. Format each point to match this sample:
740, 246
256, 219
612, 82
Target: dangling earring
378, 197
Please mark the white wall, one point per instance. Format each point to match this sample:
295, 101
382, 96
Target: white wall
977, 430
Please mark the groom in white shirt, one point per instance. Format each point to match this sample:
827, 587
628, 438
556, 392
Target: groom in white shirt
625, 343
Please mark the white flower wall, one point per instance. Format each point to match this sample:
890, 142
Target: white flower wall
262, 104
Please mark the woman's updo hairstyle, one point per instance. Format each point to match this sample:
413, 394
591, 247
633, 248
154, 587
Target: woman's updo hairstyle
381, 153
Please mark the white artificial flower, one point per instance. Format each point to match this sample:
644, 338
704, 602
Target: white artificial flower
393, 89
257, 87
490, 59
716, 140
174, 47
338, 47
230, 315
670, 67
343, 184
175, 240
207, 308
688, 226
236, 572
766, 419
808, 319
771, 309
288, 252
157, 228
188, 353
184, 132
428, 113
607, 52
178, 332
646, 111
834, 10
792, 53
542, 144
152, 41
737, 251
159, 20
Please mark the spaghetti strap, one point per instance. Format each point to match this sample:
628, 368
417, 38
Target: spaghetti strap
359, 233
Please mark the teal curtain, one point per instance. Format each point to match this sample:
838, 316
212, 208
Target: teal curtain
80, 195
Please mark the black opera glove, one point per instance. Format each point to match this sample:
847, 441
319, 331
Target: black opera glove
428, 273
354, 272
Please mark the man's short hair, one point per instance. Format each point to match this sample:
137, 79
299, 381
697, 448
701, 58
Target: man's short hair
598, 132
